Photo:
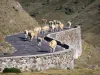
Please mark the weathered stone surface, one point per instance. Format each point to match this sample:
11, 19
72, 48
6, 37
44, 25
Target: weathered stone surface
71, 37
62, 59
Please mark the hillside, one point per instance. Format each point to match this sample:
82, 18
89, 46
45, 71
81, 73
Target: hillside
89, 19
85, 13
13, 19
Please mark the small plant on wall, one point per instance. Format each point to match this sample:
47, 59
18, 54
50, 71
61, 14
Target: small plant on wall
11, 70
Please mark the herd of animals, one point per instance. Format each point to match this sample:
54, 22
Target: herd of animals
49, 26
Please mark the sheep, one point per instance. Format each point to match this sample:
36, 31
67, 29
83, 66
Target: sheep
69, 22
26, 34
44, 29
32, 34
50, 22
44, 21
56, 25
52, 45
37, 29
39, 40
61, 25
52, 26
54, 21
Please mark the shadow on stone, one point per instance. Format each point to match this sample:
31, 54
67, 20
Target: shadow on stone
43, 51
58, 42
23, 39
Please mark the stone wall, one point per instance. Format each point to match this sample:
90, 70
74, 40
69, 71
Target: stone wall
62, 59
71, 37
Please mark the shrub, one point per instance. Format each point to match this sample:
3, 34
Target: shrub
76, 1
69, 11
59, 8
90, 1
11, 70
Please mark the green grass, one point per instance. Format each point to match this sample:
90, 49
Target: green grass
11, 70
4, 46
60, 72
90, 55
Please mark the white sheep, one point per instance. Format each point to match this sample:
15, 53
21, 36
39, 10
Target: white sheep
44, 21
37, 29
61, 25
52, 26
26, 34
39, 40
55, 21
56, 25
50, 22
32, 34
44, 29
69, 22
52, 45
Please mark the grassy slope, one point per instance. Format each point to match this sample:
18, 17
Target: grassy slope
89, 19
13, 19
61, 72
86, 15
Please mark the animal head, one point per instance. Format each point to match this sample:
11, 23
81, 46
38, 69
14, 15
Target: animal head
55, 21
50, 22
59, 22
69, 22
26, 31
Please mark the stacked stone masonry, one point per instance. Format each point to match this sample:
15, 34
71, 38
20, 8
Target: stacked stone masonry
71, 37
63, 59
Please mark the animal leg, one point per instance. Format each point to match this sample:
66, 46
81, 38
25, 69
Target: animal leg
51, 49
26, 36
54, 49
39, 44
56, 29
43, 31
32, 38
